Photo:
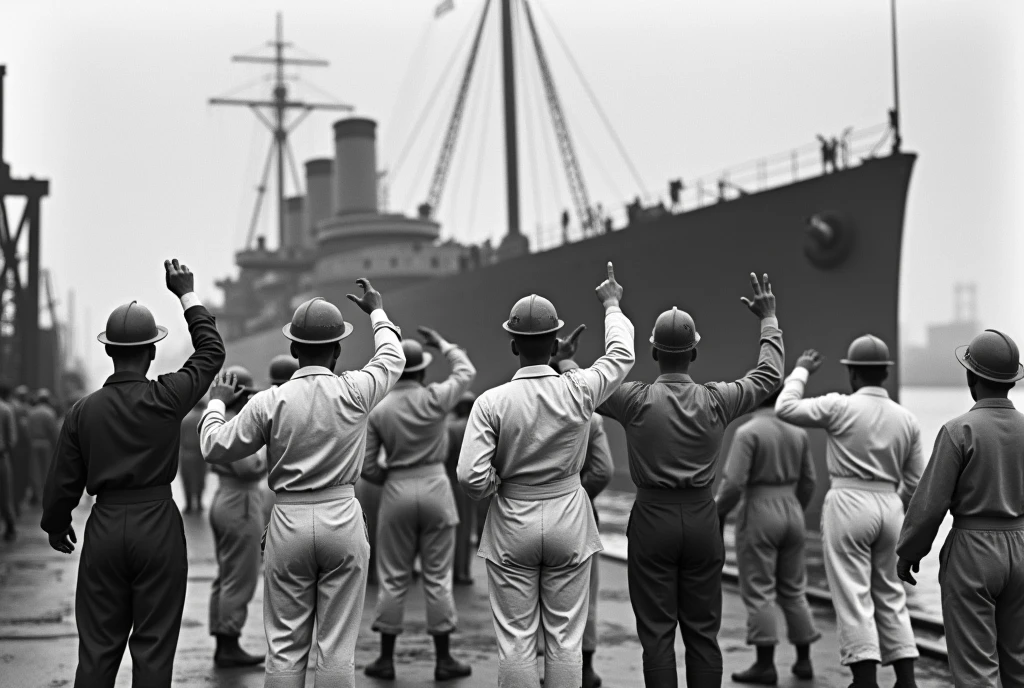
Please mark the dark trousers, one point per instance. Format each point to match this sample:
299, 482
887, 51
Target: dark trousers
466, 508
7, 504
131, 590
675, 560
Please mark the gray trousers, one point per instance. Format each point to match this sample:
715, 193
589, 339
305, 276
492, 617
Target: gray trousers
590, 630
236, 517
981, 574
315, 567
770, 538
417, 516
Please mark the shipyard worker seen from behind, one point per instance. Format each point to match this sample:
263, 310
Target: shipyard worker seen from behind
674, 430
525, 443
314, 431
120, 443
873, 454
976, 472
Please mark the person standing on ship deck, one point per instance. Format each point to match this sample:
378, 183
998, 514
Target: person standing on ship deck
121, 444
873, 453
314, 428
236, 519
461, 574
525, 443
770, 465
417, 507
674, 431
977, 473
282, 367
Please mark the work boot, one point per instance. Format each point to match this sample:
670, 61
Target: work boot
382, 668
230, 654
803, 669
764, 675
448, 668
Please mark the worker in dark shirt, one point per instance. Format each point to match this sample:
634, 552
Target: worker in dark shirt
120, 444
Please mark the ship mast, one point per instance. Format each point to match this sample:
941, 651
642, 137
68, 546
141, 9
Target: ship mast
894, 114
511, 150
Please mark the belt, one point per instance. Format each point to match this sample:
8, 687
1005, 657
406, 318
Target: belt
988, 523
686, 495
787, 490
329, 494
141, 495
866, 485
420, 471
535, 493
234, 482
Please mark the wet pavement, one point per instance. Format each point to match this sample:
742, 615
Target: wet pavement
38, 640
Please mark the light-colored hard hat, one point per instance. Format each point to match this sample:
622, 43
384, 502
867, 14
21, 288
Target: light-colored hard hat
416, 359
867, 350
317, 322
674, 332
533, 315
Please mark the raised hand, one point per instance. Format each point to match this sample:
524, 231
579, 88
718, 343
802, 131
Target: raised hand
810, 359
763, 305
609, 292
431, 337
62, 542
371, 299
225, 388
904, 568
567, 345
180, 280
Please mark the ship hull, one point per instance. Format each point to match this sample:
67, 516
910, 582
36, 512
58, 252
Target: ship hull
699, 261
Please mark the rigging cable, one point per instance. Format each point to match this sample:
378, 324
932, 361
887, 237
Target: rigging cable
530, 131
484, 128
408, 81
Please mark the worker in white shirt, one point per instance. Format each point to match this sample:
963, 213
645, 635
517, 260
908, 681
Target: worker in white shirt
873, 454
314, 428
525, 443
282, 367
417, 509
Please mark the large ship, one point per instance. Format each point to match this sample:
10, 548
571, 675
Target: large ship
825, 221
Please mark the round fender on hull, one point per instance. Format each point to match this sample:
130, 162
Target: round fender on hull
830, 240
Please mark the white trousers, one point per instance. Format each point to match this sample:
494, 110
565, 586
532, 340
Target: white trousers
315, 568
860, 528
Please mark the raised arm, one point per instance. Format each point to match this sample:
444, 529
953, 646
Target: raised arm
476, 472
183, 389
598, 466
379, 376
791, 407
608, 371
618, 404
225, 441
444, 396
64, 484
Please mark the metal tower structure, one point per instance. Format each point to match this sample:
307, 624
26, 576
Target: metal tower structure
275, 120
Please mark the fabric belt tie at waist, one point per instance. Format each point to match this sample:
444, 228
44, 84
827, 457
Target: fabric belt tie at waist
787, 490
535, 493
866, 485
421, 471
686, 495
988, 523
330, 494
237, 483
142, 495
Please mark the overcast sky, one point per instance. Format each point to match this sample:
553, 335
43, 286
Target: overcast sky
107, 99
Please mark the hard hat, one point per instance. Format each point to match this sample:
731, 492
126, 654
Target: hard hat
993, 356
21, 391
317, 322
674, 332
131, 325
243, 378
282, 368
533, 315
416, 359
43, 394
868, 350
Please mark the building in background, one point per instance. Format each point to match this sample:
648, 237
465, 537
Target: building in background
933, 364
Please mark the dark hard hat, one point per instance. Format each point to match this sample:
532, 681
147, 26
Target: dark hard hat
674, 332
317, 322
131, 325
868, 350
416, 359
533, 315
993, 356
243, 378
282, 368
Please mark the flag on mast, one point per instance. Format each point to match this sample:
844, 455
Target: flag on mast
444, 8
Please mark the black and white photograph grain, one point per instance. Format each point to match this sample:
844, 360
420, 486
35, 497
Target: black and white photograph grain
511, 343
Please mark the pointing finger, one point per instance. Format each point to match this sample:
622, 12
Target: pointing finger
611, 272
576, 333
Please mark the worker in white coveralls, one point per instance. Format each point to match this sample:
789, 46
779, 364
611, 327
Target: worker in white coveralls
314, 428
525, 443
282, 367
770, 467
873, 453
236, 519
417, 507
977, 473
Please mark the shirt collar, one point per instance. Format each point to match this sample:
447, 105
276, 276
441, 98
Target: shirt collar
534, 371
993, 403
674, 377
407, 384
311, 370
873, 391
125, 376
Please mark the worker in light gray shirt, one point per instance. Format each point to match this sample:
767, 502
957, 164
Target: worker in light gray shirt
873, 453
770, 467
417, 509
282, 367
977, 473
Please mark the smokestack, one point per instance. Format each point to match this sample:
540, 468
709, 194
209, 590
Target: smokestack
355, 156
295, 223
319, 195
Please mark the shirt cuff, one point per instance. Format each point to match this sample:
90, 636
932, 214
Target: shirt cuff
612, 309
378, 316
770, 321
189, 300
799, 373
